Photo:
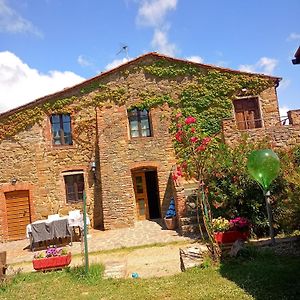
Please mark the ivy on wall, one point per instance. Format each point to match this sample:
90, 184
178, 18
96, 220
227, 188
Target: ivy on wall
207, 95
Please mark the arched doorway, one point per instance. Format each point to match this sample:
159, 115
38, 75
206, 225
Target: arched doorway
145, 185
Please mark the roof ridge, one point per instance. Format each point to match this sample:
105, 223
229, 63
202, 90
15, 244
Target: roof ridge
128, 63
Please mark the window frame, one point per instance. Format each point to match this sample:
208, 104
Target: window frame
248, 123
61, 123
139, 119
75, 183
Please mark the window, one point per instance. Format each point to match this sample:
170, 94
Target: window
74, 184
139, 123
61, 129
247, 113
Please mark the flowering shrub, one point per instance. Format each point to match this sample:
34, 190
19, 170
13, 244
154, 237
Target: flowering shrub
240, 224
220, 224
51, 252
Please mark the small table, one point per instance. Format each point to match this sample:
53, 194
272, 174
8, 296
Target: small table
46, 230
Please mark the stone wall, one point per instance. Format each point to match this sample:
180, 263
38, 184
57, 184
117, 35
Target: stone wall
280, 135
101, 135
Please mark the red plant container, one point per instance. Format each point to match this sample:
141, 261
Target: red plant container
54, 262
230, 236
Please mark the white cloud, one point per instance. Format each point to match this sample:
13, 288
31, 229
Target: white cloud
283, 110
195, 58
20, 84
264, 65
293, 36
161, 43
247, 68
284, 84
115, 63
152, 12
267, 64
12, 22
83, 61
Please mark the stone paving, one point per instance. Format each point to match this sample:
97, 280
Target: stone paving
163, 260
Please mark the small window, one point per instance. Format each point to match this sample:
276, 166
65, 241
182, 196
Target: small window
139, 123
61, 129
74, 185
247, 113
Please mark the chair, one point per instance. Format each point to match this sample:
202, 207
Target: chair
75, 220
53, 217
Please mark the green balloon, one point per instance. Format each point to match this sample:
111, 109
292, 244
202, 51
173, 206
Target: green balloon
264, 167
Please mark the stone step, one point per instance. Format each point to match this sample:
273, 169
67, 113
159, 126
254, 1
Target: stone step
116, 269
189, 220
190, 229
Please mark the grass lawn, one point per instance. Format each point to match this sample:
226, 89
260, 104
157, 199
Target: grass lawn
262, 277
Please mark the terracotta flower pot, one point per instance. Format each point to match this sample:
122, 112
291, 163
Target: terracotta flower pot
230, 236
170, 223
54, 262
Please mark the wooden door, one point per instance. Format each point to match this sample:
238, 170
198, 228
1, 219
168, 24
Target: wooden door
18, 214
140, 189
247, 113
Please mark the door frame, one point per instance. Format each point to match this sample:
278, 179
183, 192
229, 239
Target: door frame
8, 187
144, 196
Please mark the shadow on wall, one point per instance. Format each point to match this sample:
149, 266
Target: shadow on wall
96, 180
168, 194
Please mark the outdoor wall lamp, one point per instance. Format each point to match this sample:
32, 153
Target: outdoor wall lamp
93, 168
14, 181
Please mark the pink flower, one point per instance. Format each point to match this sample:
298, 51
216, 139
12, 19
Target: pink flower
174, 177
194, 139
184, 165
200, 148
178, 136
179, 125
178, 171
193, 129
189, 120
178, 115
206, 140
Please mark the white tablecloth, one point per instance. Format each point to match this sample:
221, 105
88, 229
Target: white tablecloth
73, 222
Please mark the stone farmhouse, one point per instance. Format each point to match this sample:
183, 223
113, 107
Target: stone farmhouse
109, 136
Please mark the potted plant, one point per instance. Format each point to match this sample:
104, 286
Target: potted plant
170, 218
229, 231
51, 258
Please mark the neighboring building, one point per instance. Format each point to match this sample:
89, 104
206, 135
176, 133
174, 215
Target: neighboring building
96, 137
296, 60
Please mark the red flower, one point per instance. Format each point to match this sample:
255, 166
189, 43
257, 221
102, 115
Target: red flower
179, 125
174, 177
189, 120
201, 148
193, 129
194, 139
178, 136
184, 165
206, 140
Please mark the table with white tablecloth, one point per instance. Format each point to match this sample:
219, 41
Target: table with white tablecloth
53, 229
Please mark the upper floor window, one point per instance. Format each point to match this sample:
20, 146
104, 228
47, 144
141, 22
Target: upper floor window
247, 113
139, 123
61, 129
74, 185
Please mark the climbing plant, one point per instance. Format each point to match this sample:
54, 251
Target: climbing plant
203, 93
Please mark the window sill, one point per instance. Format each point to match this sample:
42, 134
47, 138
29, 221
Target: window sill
63, 147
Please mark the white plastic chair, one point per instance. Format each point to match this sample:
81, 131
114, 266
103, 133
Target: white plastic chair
53, 217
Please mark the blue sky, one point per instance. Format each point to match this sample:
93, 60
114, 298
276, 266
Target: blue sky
46, 45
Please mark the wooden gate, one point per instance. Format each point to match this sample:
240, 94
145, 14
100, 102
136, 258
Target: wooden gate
18, 214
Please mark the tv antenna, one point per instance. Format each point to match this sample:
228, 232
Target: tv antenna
124, 49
